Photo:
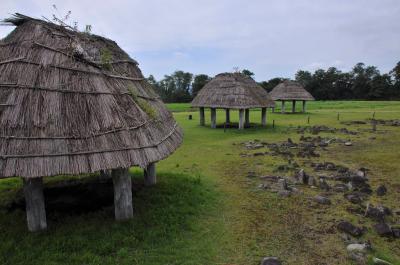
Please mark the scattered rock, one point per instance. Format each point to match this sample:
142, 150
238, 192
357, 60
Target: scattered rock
340, 187
348, 143
322, 200
381, 190
270, 261
284, 193
311, 181
358, 257
380, 261
349, 228
396, 232
353, 198
323, 185
383, 229
377, 213
282, 184
363, 248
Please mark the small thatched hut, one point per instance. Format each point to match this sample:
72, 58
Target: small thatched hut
233, 91
291, 91
72, 103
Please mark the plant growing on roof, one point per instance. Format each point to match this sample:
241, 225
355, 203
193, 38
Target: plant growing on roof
142, 103
105, 58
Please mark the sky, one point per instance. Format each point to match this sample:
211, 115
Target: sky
272, 38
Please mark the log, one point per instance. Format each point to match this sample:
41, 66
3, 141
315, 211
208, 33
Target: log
150, 177
283, 107
227, 116
293, 106
304, 106
202, 117
264, 116
247, 117
213, 118
241, 119
122, 194
35, 207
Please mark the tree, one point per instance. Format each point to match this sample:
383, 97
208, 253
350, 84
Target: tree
248, 73
199, 82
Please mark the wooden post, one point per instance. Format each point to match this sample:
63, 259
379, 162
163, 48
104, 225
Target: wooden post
202, 119
247, 117
264, 116
304, 106
122, 194
150, 177
283, 107
273, 109
241, 119
213, 118
34, 201
228, 116
293, 106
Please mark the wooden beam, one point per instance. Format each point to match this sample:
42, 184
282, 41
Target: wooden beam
283, 107
150, 177
247, 117
122, 194
304, 106
35, 207
213, 118
264, 116
293, 106
241, 119
202, 116
227, 116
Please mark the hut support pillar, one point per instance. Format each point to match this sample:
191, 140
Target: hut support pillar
228, 116
150, 177
283, 106
264, 116
293, 106
213, 118
241, 119
35, 208
202, 118
122, 194
247, 117
304, 106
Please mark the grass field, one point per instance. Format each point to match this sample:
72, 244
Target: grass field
205, 210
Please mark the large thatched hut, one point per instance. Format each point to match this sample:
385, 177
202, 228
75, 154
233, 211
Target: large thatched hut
232, 91
291, 91
72, 103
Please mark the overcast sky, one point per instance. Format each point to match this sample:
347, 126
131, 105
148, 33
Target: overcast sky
272, 38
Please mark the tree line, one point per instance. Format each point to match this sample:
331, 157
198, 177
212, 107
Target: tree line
362, 82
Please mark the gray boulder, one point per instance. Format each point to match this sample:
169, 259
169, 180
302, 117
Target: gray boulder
270, 261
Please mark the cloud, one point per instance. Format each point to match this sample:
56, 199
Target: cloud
271, 38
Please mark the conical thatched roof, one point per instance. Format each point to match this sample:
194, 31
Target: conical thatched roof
72, 103
290, 90
234, 91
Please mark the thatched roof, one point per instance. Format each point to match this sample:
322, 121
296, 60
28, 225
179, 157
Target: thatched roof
290, 90
72, 102
234, 91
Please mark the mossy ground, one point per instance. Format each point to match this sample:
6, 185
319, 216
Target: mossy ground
204, 210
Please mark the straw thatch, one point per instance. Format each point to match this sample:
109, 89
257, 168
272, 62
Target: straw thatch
290, 90
72, 103
232, 91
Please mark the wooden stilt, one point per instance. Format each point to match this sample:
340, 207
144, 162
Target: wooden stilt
202, 116
283, 107
122, 194
264, 116
35, 207
241, 119
150, 177
304, 106
293, 106
247, 117
228, 116
213, 118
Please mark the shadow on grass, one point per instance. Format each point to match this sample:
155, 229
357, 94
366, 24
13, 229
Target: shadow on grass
165, 217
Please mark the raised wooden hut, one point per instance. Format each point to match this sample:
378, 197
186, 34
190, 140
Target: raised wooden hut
72, 103
233, 91
291, 91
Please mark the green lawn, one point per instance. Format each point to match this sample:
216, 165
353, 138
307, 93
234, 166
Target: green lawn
204, 210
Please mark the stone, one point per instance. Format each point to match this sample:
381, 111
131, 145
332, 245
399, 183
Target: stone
378, 261
353, 198
270, 261
340, 187
396, 232
348, 143
349, 228
311, 181
358, 257
377, 213
322, 200
383, 229
323, 185
381, 190
284, 193
301, 176
362, 248
282, 184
